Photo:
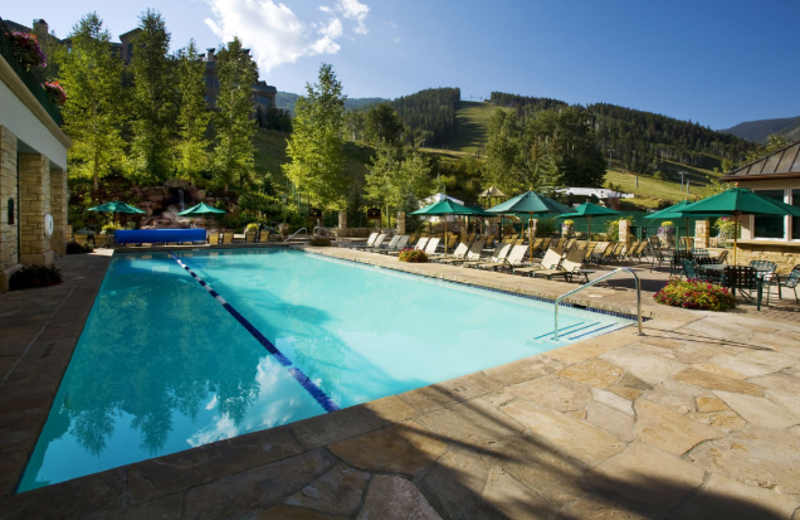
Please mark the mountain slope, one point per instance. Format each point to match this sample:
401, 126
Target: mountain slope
758, 131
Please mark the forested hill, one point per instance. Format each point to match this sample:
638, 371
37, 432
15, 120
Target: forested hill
759, 131
639, 140
432, 110
286, 101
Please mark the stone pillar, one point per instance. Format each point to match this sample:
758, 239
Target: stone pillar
701, 233
401, 222
342, 220
58, 209
625, 232
34, 203
9, 255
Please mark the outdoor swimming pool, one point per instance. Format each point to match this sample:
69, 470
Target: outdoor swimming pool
162, 366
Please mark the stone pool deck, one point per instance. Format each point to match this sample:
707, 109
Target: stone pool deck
699, 418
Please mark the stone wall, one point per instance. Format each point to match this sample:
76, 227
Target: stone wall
786, 256
34, 194
9, 256
58, 209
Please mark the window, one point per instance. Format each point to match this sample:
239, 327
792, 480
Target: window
796, 220
770, 227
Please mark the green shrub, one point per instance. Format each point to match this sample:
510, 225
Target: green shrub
110, 228
695, 294
74, 248
414, 256
251, 227
32, 276
320, 242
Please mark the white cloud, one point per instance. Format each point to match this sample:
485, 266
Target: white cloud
276, 35
392, 24
398, 40
355, 10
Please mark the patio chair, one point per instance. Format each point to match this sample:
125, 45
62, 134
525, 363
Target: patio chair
459, 254
768, 272
570, 267
370, 241
498, 256
401, 244
587, 253
690, 269
375, 245
744, 278
391, 246
721, 259
792, 281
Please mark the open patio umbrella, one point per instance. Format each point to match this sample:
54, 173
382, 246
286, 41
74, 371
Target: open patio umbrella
201, 210
588, 210
117, 207
741, 201
676, 212
529, 203
447, 207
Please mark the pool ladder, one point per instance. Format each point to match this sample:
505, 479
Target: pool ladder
596, 281
296, 233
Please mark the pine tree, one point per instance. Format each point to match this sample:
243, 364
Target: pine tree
315, 148
193, 118
154, 94
91, 78
234, 152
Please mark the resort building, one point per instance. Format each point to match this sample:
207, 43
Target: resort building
33, 176
775, 176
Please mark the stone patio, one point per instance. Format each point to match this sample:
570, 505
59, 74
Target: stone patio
699, 418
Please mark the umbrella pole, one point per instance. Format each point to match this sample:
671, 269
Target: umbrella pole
735, 233
530, 236
589, 229
445, 234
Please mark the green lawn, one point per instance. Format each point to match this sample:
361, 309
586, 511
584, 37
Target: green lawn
473, 127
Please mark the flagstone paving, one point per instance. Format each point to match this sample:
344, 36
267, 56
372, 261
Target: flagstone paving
699, 418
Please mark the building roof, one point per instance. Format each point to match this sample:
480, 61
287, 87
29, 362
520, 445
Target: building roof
600, 193
784, 163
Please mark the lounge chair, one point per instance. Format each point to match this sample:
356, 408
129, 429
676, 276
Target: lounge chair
395, 245
570, 267
433, 244
518, 257
498, 257
473, 254
552, 259
459, 254
391, 246
376, 244
370, 242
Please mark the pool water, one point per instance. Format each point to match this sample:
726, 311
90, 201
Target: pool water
162, 366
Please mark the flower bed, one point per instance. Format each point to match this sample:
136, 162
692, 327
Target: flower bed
695, 294
413, 256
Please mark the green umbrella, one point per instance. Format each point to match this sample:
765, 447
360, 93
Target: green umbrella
117, 207
200, 210
447, 207
739, 201
676, 212
588, 210
529, 203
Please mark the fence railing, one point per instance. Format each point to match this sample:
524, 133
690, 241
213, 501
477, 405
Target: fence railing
31, 80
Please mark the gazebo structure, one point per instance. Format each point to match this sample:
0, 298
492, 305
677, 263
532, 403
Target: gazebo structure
776, 176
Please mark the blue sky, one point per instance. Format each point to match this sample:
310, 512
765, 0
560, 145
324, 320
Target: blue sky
715, 62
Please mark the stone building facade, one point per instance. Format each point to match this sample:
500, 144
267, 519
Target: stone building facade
33, 179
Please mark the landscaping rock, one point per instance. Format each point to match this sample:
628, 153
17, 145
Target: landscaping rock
338, 492
395, 498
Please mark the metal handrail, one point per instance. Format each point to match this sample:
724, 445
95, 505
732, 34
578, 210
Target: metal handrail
598, 280
295, 234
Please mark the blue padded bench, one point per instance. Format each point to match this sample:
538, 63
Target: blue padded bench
156, 236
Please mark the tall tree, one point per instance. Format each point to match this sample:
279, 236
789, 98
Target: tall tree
383, 124
505, 165
153, 100
315, 148
91, 78
193, 116
396, 182
234, 152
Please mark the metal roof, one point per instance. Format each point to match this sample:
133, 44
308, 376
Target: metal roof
783, 163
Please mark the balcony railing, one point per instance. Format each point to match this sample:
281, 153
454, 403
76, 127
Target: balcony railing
31, 80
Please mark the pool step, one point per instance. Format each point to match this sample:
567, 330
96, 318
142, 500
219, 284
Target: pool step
578, 330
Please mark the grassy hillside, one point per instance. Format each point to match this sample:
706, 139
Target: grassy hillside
473, 127
652, 191
286, 101
758, 131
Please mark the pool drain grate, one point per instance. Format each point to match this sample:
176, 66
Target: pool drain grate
312, 388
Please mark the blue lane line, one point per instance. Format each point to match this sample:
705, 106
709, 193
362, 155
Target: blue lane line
315, 391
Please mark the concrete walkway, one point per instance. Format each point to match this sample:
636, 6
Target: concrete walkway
699, 418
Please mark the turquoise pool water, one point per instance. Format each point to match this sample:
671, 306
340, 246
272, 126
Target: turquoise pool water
162, 366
